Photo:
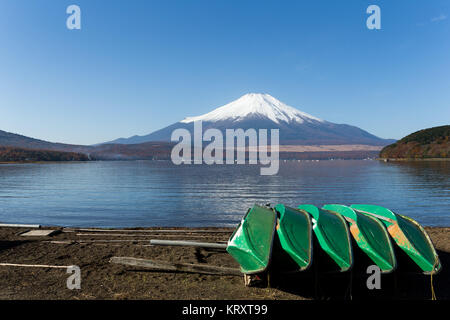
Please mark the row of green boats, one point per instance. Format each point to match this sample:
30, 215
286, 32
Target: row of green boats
377, 231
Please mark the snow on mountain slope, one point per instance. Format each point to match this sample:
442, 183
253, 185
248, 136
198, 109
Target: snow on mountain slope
255, 104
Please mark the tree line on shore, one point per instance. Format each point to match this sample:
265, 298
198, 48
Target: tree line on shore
12, 154
428, 143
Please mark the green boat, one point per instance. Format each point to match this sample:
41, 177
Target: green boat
370, 235
294, 231
251, 243
409, 236
333, 235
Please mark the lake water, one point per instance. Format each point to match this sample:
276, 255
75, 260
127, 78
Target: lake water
158, 193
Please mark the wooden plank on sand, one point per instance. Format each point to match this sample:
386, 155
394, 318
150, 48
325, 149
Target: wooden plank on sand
142, 235
33, 265
40, 233
212, 245
177, 267
150, 231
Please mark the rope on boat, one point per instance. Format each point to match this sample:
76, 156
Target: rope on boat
433, 294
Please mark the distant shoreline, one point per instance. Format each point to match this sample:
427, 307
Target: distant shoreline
306, 159
42, 162
413, 159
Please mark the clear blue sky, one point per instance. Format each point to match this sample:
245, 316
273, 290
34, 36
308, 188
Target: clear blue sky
137, 66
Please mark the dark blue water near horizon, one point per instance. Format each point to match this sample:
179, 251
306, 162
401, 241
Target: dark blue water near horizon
158, 193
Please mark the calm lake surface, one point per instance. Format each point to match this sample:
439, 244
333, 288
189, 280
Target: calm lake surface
158, 193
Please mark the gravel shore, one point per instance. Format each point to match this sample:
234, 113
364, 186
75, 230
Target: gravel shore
92, 250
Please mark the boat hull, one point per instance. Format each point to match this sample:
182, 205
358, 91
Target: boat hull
251, 243
409, 235
370, 235
333, 235
294, 230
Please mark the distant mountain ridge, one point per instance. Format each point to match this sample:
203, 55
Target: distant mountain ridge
15, 147
22, 146
262, 111
9, 139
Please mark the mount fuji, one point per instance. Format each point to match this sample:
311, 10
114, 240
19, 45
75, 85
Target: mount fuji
262, 111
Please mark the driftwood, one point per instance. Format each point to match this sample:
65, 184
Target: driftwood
153, 242
141, 235
151, 231
33, 265
177, 267
157, 242
93, 243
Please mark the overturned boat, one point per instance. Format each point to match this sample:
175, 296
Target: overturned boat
251, 243
332, 234
370, 235
409, 235
292, 233
294, 230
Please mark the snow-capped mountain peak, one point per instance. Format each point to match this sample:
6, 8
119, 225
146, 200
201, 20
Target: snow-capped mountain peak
262, 111
255, 104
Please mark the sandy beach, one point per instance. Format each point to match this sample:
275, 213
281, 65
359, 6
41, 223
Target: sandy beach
92, 250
